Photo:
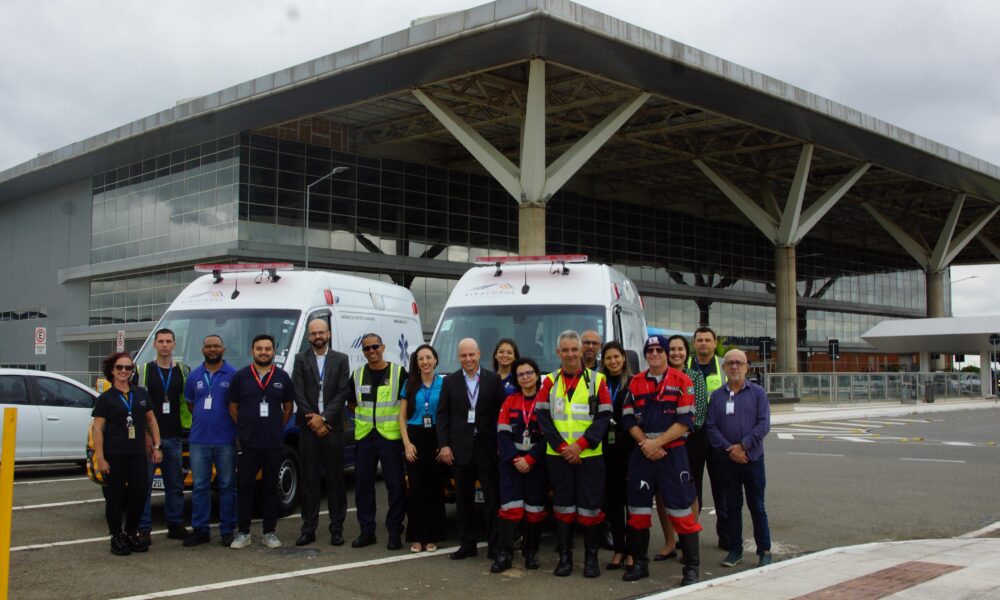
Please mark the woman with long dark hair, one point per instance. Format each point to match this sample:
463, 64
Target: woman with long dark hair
123, 418
425, 523
618, 445
504, 355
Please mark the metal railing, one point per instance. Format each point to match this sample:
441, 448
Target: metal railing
859, 388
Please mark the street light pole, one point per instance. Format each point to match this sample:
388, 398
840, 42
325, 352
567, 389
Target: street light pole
305, 233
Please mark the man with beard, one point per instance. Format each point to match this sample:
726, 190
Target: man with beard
212, 443
322, 388
260, 403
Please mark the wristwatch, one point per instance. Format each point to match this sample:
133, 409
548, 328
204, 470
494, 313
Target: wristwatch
156, 447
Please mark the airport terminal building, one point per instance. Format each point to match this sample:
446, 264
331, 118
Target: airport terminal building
516, 127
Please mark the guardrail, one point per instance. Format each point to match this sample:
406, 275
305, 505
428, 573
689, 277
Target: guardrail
860, 388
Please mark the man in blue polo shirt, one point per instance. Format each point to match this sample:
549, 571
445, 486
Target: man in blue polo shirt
260, 403
212, 442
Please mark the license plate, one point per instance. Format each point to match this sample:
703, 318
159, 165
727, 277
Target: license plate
157, 483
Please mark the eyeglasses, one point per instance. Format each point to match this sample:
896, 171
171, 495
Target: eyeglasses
123, 367
372, 347
654, 350
733, 364
591, 343
524, 374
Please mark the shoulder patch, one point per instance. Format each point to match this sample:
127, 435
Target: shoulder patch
690, 389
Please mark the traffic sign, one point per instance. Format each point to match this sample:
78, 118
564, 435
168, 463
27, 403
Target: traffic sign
40, 337
120, 341
834, 348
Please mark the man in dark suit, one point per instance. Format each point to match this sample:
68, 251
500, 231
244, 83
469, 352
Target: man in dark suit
467, 432
322, 388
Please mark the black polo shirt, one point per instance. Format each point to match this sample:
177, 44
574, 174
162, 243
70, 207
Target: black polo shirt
253, 430
154, 378
113, 406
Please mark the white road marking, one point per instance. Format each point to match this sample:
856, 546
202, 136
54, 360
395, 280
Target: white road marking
939, 460
981, 532
958, 443
816, 454
50, 481
786, 436
292, 574
57, 504
848, 438
818, 427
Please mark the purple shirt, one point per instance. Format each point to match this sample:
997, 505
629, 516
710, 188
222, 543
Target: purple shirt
749, 423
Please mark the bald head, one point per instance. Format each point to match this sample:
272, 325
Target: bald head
319, 335
736, 365
468, 355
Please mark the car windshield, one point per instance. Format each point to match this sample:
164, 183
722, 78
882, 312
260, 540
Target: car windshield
237, 328
535, 328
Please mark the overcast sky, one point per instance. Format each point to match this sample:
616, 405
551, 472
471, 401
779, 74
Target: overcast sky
73, 69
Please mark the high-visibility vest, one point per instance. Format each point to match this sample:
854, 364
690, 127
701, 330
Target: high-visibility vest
574, 417
185, 411
713, 381
382, 414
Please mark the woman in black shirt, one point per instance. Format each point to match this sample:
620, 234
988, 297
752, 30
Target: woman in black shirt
122, 422
618, 445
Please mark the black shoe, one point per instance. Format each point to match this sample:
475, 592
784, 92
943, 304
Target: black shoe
636, 571
198, 537
565, 565
365, 539
177, 532
119, 545
531, 560
591, 545
306, 538
614, 566
503, 562
394, 543
337, 539
659, 557
692, 559
145, 537
464, 552
226, 540
135, 543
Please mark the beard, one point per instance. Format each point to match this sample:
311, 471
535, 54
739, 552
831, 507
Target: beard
319, 344
261, 363
213, 360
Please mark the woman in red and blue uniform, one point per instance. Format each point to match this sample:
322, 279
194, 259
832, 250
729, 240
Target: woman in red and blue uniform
522, 470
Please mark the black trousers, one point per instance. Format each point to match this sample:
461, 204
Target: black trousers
615, 487
425, 516
484, 467
369, 453
127, 483
700, 455
267, 461
322, 474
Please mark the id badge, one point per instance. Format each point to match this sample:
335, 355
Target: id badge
611, 436
730, 407
131, 432
263, 409
526, 436
559, 405
472, 417
208, 402
166, 408
365, 389
427, 422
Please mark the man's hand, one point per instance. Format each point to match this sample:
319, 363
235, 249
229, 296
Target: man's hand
444, 456
521, 464
315, 422
652, 451
737, 454
571, 453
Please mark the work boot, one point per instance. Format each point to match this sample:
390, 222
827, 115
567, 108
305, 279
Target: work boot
691, 560
638, 545
591, 544
563, 544
529, 544
119, 545
506, 530
135, 543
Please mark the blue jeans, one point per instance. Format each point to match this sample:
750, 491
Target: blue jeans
737, 478
223, 456
173, 485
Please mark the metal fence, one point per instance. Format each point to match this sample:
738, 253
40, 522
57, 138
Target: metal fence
859, 388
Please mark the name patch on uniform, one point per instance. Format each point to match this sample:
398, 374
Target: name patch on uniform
278, 385
578, 409
224, 384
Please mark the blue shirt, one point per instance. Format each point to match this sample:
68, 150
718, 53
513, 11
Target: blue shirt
213, 426
749, 423
426, 402
509, 386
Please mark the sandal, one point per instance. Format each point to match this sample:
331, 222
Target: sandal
416, 547
431, 547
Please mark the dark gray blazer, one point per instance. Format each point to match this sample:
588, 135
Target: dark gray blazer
336, 387
453, 428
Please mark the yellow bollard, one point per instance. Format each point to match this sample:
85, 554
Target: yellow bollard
6, 495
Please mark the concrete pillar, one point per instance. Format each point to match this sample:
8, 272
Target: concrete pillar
531, 229
935, 307
784, 298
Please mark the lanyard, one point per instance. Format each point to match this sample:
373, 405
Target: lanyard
472, 392
527, 413
261, 383
569, 385
209, 379
165, 382
427, 398
614, 390
127, 403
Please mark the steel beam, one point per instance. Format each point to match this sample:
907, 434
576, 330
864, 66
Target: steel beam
943, 245
959, 243
796, 194
821, 206
993, 248
919, 253
533, 137
757, 215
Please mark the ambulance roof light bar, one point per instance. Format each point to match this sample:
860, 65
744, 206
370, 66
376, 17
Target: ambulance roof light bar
499, 261
270, 268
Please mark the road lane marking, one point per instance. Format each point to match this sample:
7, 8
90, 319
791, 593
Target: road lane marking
50, 481
57, 504
939, 460
292, 574
958, 443
816, 454
818, 427
848, 438
786, 436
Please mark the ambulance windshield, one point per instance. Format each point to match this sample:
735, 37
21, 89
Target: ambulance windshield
535, 328
237, 328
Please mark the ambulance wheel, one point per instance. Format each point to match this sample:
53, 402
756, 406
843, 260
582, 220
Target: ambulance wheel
289, 476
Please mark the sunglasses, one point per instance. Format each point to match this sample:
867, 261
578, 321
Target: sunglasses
123, 367
524, 374
655, 350
372, 347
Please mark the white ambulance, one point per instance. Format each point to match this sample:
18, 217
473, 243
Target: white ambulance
532, 299
240, 301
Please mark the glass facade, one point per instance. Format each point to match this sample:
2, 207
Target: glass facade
138, 296
183, 199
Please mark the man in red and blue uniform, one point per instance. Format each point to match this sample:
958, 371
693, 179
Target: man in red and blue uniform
658, 413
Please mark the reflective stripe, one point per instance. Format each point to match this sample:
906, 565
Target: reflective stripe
588, 512
685, 409
366, 404
534, 509
569, 423
681, 512
381, 414
628, 411
636, 510
564, 510
386, 419
514, 504
524, 447
504, 427
603, 408
542, 405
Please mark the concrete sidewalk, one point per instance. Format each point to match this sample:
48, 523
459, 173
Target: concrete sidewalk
804, 413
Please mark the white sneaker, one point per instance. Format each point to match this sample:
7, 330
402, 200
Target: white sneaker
271, 540
241, 540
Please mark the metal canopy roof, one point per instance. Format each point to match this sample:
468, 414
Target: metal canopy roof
955, 335
745, 125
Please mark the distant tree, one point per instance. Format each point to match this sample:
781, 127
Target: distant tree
970, 369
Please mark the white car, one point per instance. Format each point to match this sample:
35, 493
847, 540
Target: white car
53, 415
